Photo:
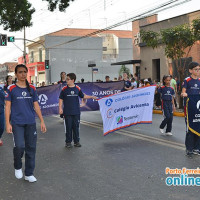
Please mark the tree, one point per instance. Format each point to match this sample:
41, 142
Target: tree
124, 69
16, 14
62, 4
178, 42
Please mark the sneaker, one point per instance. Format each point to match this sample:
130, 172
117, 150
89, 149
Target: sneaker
77, 144
162, 131
30, 179
196, 152
68, 145
168, 133
18, 173
1, 143
189, 154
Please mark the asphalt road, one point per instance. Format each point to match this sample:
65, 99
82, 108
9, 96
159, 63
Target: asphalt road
127, 164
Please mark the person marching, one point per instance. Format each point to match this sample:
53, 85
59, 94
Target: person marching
21, 105
167, 96
9, 81
2, 121
191, 86
69, 96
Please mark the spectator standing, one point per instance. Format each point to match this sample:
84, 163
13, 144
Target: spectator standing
133, 83
62, 78
127, 83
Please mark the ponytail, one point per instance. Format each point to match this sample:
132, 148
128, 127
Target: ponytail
28, 87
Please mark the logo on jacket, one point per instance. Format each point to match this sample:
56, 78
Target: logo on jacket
24, 93
72, 92
198, 105
195, 85
109, 102
42, 99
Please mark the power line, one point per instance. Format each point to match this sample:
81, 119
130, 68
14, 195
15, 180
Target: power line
139, 16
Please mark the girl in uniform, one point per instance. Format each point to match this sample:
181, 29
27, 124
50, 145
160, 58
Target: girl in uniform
21, 105
2, 98
8, 82
167, 96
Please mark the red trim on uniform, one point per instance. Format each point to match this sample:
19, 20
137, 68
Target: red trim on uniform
185, 111
64, 88
12, 87
32, 86
163, 86
142, 122
188, 79
78, 87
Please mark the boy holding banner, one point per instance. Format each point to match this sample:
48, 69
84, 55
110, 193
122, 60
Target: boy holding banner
69, 96
191, 92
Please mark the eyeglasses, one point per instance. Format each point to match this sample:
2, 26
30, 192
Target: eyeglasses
197, 69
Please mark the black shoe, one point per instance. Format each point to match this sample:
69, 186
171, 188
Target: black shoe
77, 144
68, 145
196, 152
61, 115
189, 154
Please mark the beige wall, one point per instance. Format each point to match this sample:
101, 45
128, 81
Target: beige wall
35, 48
147, 54
136, 29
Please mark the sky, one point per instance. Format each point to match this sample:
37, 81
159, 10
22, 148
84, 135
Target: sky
94, 14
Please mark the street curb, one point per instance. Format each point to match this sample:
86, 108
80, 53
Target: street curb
178, 114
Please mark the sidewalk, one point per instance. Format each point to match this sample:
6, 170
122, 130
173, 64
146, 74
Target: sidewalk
178, 112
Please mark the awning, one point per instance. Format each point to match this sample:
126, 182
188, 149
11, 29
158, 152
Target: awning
127, 62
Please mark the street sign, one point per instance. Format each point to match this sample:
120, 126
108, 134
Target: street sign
3, 40
11, 39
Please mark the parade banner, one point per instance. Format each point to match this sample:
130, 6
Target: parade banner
193, 113
48, 96
48, 99
100, 90
127, 108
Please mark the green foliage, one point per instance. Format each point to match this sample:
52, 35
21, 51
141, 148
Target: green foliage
196, 28
177, 39
62, 4
124, 69
178, 42
151, 38
15, 14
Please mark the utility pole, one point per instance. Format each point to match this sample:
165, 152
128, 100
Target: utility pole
24, 46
